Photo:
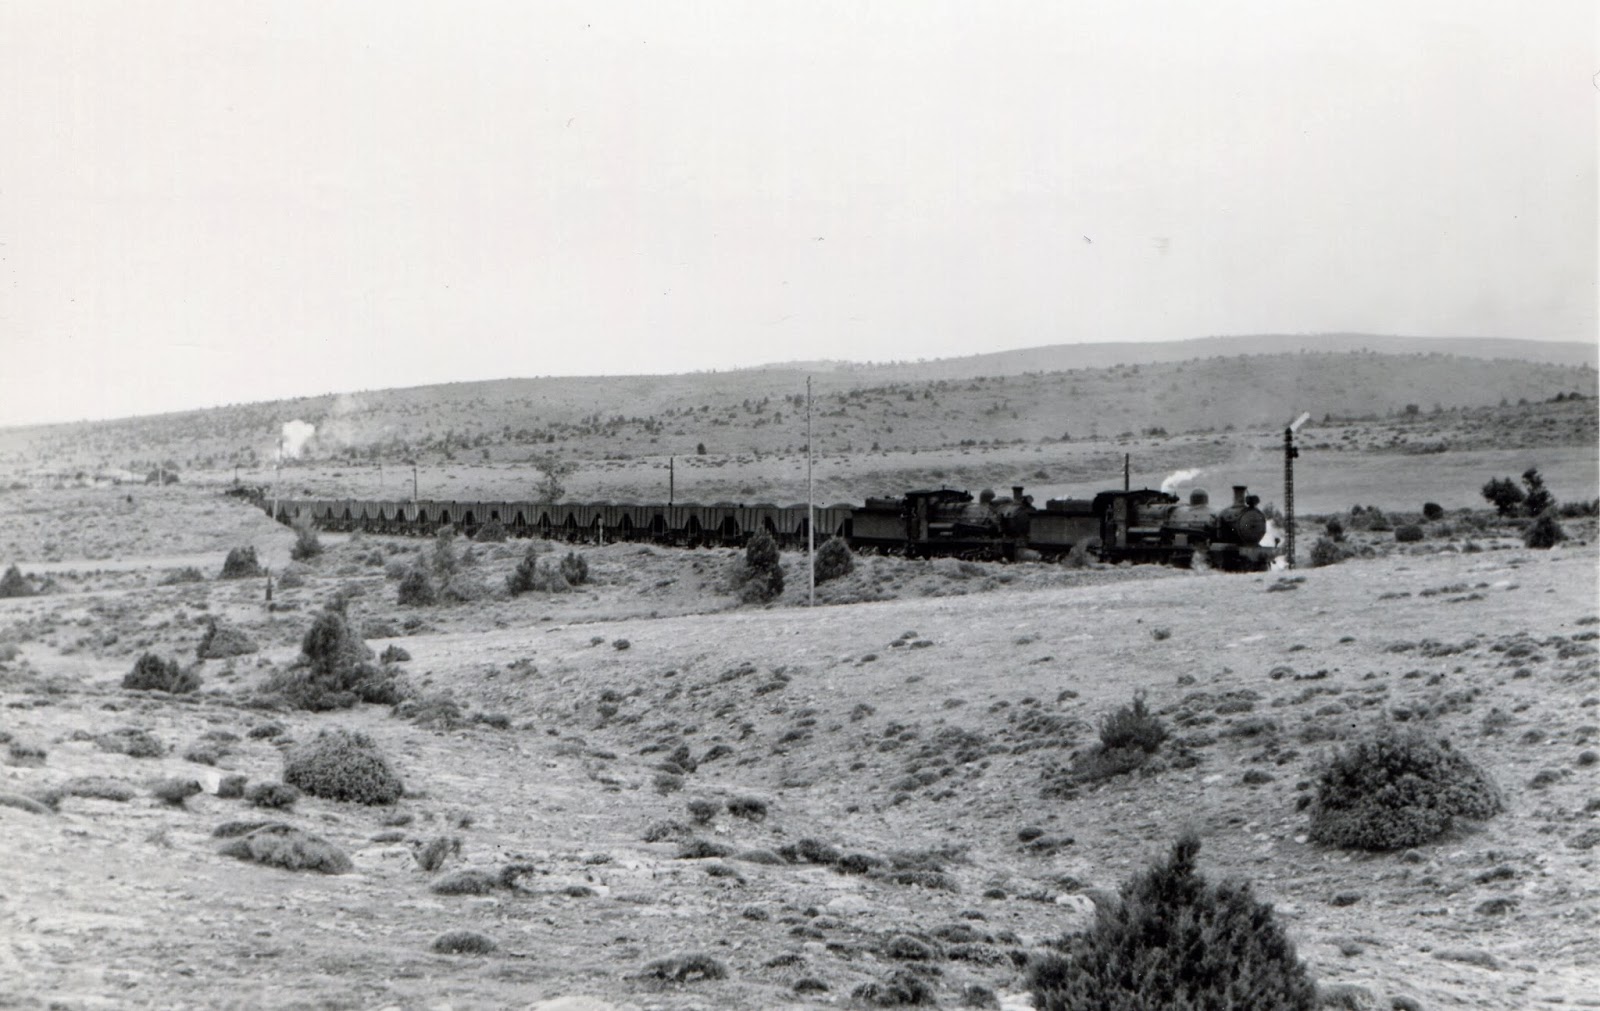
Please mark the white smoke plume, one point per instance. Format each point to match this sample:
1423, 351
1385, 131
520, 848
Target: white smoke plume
1274, 538
1179, 477
294, 437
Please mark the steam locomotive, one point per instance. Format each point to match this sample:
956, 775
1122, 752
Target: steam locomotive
1132, 525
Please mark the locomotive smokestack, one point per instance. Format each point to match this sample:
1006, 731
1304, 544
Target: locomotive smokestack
1238, 496
1016, 493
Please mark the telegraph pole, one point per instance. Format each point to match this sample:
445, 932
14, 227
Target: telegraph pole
671, 477
1290, 452
413, 482
811, 510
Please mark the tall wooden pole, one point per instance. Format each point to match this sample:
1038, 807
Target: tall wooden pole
811, 511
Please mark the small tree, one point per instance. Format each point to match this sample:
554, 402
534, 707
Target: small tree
699, 449
1173, 940
763, 569
1432, 511
15, 584
553, 472
1544, 532
834, 560
242, 563
417, 589
1539, 498
574, 568
306, 543
1504, 495
1325, 552
152, 673
523, 578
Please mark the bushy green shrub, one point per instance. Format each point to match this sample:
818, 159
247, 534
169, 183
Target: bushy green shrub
763, 571
343, 765
833, 561
1432, 511
1504, 495
241, 563
1544, 532
306, 543
1176, 942
463, 942
417, 589
1395, 789
222, 641
15, 584
1335, 529
278, 845
492, 532
1538, 499
274, 796
152, 674
1133, 726
574, 568
1408, 533
334, 670
1325, 552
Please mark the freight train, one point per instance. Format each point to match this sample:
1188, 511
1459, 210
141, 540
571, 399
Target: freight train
1132, 525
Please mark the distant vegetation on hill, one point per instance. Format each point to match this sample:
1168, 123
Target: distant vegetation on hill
983, 400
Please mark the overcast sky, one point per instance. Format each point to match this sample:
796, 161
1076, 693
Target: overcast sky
208, 202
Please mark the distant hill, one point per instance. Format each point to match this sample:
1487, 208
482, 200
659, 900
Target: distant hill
1040, 394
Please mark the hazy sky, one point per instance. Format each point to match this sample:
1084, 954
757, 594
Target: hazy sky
207, 202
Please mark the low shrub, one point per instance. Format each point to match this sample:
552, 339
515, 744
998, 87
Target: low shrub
187, 574
686, 968
463, 942
333, 671
98, 788
1408, 533
15, 584
343, 765
417, 589
174, 791
1335, 529
272, 796
394, 654
1544, 532
1133, 726
278, 845
1432, 511
131, 741
1173, 940
432, 855
231, 787
223, 641
242, 563
902, 988
466, 882
833, 561
1393, 790
574, 569
1326, 552
306, 544
152, 674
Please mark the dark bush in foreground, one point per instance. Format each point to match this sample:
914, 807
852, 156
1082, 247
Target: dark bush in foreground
1394, 790
903, 988
242, 563
174, 791
1544, 532
1504, 494
343, 765
1408, 533
467, 882
222, 641
152, 674
834, 560
763, 571
417, 589
333, 671
15, 584
1432, 511
279, 845
1133, 726
1178, 943
463, 942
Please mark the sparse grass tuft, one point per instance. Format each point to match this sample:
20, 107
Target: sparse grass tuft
432, 855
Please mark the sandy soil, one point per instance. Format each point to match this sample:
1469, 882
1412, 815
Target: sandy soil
927, 722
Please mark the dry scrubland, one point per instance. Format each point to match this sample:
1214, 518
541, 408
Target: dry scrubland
643, 792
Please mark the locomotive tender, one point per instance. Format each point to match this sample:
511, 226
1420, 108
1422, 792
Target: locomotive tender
1140, 525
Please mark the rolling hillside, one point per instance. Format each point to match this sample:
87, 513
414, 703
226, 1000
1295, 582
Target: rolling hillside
970, 401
